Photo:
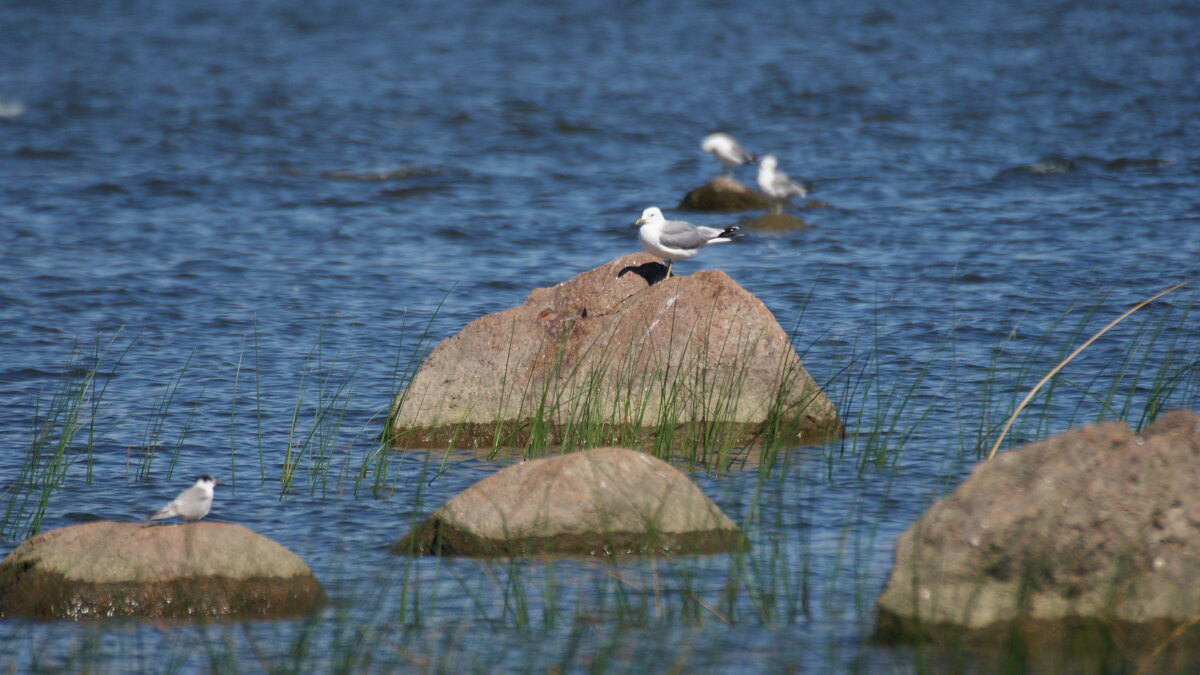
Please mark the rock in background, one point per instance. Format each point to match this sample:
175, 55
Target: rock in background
773, 222
724, 194
1095, 526
595, 502
611, 347
109, 569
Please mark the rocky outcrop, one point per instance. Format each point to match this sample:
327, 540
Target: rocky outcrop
724, 194
108, 569
595, 502
611, 350
1096, 526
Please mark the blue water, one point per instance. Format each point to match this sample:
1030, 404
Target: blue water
253, 209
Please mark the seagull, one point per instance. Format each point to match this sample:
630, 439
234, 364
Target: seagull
675, 239
776, 185
726, 150
191, 504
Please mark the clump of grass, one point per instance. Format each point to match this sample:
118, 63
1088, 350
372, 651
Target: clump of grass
376, 463
313, 449
64, 433
151, 439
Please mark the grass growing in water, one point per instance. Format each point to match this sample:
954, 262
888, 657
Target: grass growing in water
821, 520
74, 409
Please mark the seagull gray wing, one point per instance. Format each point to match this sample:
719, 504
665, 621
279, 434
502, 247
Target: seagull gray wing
680, 234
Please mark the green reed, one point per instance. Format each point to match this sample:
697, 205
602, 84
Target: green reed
151, 438
1155, 366
63, 434
312, 446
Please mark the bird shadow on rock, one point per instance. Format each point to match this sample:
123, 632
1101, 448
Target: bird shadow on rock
652, 272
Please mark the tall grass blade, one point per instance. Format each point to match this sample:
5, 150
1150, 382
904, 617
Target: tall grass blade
1053, 371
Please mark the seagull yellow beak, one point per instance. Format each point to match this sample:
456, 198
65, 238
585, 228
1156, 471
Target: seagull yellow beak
639, 221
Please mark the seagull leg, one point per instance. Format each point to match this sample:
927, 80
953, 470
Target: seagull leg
669, 263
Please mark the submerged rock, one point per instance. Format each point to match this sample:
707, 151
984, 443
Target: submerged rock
724, 194
612, 351
595, 502
1097, 527
108, 569
1046, 166
1121, 163
773, 222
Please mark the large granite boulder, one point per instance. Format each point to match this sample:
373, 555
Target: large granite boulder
616, 348
595, 502
724, 194
106, 569
1096, 528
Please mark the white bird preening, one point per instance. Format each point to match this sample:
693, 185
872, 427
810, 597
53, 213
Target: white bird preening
676, 239
776, 185
727, 151
191, 504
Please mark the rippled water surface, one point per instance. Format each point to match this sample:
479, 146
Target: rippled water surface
249, 210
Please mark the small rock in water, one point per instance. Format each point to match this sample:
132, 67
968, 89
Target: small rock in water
110, 569
601, 501
723, 194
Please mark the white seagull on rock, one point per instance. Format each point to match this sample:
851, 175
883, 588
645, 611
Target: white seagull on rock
191, 504
727, 151
776, 185
676, 239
